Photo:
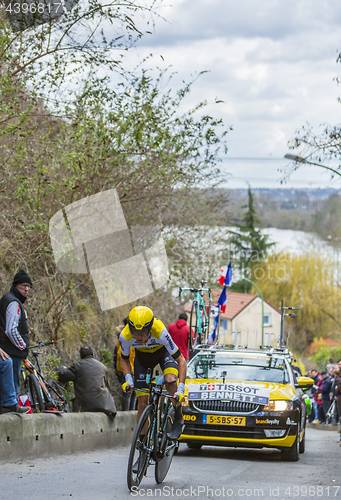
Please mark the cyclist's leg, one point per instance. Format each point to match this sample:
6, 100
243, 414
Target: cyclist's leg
170, 370
140, 372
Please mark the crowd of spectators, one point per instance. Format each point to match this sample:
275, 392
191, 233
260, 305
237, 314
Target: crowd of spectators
325, 395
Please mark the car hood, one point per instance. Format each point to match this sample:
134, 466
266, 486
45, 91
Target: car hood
277, 391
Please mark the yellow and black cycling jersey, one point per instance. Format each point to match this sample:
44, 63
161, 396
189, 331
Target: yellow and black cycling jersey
158, 337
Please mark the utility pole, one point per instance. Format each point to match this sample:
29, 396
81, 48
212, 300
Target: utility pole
283, 314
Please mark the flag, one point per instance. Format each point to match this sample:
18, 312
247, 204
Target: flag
226, 275
222, 301
215, 324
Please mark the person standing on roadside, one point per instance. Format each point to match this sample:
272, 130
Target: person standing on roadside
325, 392
179, 332
8, 397
14, 336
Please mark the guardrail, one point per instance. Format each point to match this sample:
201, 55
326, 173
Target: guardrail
47, 434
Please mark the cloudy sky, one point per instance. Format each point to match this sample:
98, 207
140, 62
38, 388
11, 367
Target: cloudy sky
272, 62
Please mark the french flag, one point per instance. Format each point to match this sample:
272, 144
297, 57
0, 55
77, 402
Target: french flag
222, 301
226, 275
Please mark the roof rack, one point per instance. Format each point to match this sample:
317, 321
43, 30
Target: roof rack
236, 347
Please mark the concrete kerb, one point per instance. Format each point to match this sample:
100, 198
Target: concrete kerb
47, 434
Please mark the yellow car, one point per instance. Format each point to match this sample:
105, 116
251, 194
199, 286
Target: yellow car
245, 398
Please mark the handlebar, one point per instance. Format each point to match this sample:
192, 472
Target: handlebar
155, 386
41, 344
193, 290
158, 390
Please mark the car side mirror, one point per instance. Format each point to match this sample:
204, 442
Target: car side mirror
304, 382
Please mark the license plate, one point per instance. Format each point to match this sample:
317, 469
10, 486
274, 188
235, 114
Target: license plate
221, 420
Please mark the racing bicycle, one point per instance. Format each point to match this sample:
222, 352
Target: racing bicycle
199, 322
154, 447
43, 395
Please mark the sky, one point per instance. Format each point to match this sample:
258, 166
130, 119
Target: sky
272, 62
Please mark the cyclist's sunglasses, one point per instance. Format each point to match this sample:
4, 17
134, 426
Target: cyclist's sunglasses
143, 331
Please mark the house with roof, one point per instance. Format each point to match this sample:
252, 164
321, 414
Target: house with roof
244, 315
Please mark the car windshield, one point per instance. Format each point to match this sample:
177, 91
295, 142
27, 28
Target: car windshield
224, 366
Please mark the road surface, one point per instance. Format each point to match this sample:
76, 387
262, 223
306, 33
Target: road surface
209, 473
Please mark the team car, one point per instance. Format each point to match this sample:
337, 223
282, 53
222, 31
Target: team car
247, 398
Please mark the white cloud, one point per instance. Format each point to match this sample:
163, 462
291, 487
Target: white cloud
272, 62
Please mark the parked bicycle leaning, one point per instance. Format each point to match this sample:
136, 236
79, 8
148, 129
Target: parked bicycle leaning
42, 394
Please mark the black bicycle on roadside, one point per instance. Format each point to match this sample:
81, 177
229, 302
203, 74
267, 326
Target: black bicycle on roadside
154, 447
43, 395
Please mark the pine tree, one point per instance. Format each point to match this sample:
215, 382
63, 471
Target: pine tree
250, 244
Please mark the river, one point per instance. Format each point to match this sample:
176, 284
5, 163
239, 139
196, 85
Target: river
297, 242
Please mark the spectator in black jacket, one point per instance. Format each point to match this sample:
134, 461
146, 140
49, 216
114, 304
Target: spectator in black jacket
14, 335
325, 389
91, 383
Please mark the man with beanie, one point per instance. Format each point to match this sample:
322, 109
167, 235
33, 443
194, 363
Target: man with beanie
14, 336
180, 334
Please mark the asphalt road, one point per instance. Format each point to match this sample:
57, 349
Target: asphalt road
210, 473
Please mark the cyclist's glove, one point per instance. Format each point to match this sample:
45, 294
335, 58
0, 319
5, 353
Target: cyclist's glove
128, 384
180, 396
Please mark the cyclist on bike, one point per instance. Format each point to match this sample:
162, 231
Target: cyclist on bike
153, 345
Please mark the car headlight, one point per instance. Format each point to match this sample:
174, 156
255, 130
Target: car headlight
279, 405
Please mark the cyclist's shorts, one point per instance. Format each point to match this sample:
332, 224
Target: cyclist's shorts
145, 360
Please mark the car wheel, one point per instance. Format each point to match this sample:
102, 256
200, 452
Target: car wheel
302, 443
194, 446
292, 454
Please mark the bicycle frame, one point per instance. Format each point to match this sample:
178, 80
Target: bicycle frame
202, 314
36, 372
156, 395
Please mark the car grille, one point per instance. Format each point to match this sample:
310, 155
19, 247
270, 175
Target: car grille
224, 431
226, 406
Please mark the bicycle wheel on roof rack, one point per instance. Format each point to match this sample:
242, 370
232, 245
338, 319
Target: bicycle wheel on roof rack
194, 327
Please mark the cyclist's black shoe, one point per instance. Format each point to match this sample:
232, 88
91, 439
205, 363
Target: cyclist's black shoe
141, 456
136, 466
15, 409
177, 426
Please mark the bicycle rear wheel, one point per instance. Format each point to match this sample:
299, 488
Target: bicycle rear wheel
36, 395
165, 450
194, 335
140, 450
57, 394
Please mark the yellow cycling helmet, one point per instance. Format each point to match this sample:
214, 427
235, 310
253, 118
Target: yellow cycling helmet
140, 320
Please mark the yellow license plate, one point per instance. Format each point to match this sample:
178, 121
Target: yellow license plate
221, 420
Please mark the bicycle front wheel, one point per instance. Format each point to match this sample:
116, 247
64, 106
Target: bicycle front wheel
166, 450
141, 449
36, 395
194, 327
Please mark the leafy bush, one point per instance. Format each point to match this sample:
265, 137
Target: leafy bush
322, 350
